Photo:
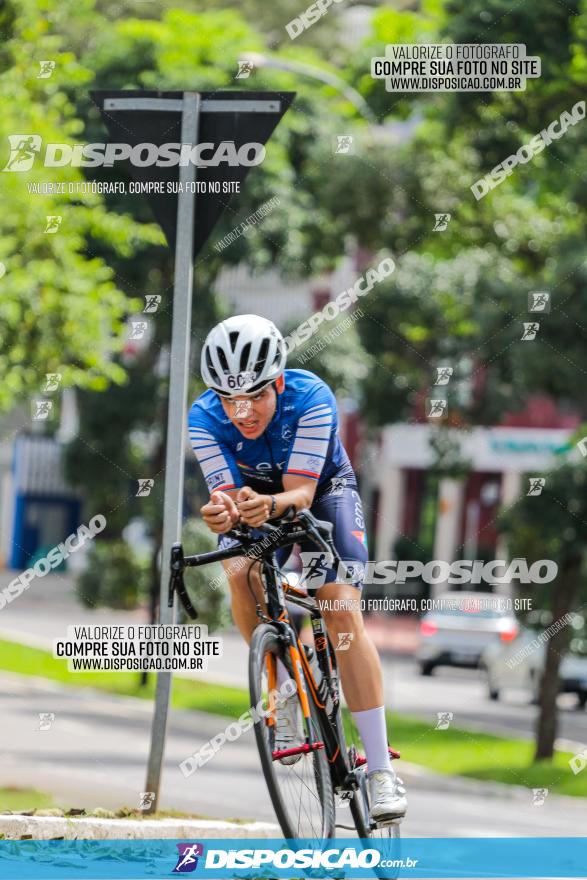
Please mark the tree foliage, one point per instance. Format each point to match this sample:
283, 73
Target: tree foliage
61, 306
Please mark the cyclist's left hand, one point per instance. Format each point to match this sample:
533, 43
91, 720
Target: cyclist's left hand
253, 508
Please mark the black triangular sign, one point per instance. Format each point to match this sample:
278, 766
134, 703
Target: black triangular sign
241, 124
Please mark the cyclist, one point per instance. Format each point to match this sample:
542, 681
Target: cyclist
266, 438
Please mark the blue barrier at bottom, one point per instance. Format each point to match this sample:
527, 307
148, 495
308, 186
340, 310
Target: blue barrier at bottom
451, 858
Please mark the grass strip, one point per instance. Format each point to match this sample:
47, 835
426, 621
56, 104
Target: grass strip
455, 751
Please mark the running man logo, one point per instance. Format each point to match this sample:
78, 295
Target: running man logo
53, 223
187, 860
146, 799
46, 720
444, 719
443, 375
315, 565
530, 331
242, 408
42, 409
138, 329
152, 303
539, 795
245, 68
344, 144
23, 151
47, 68
344, 641
578, 762
337, 486
436, 409
52, 381
536, 486
539, 301
144, 489
441, 222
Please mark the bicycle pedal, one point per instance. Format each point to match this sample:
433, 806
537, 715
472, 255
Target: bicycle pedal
383, 823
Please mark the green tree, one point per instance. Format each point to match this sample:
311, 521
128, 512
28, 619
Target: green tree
199, 49
553, 525
461, 295
61, 309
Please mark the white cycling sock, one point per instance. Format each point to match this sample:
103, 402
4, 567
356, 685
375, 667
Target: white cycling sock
373, 732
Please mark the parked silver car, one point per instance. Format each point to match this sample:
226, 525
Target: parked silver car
520, 663
460, 626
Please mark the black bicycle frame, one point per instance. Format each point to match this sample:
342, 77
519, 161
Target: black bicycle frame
283, 534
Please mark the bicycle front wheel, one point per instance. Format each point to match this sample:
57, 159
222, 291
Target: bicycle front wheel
301, 792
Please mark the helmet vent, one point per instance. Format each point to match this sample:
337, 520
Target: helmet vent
233, 337
262, 355
245, 354
211, 367
277, 357
222, 358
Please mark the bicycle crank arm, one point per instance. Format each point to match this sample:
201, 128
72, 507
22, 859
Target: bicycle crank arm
361, 759
296, 750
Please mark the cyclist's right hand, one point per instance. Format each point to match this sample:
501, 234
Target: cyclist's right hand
220, 513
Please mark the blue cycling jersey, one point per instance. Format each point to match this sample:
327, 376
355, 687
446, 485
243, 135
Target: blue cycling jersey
301, 438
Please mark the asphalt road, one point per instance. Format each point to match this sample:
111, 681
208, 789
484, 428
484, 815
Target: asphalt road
96, 749
43, 612
460, 691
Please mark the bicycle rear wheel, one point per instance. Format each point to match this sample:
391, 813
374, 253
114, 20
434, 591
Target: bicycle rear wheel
301, 793
387, 835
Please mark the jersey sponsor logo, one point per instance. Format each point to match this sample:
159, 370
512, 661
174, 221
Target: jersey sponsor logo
225, 542
261, 466
360, 536
302, 440
215, 480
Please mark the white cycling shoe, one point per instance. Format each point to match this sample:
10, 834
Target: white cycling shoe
289, 731
387, 795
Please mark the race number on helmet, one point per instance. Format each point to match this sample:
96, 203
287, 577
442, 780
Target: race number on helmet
242, 355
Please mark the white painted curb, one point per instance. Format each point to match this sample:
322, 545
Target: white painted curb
15, 827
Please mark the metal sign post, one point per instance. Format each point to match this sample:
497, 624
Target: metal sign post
233, 117
176, 418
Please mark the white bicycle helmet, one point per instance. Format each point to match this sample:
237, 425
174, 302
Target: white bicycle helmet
242, 355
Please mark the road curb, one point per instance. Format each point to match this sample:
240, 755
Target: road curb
16, 827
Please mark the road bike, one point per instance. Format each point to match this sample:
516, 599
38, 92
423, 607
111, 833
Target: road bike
303, 780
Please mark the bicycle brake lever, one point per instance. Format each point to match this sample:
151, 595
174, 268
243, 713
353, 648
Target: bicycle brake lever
239, 532
319, 525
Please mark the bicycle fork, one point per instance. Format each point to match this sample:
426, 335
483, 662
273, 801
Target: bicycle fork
312, 741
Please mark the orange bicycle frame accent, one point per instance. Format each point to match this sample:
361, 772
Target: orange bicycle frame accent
297, 666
